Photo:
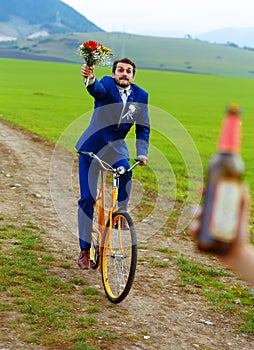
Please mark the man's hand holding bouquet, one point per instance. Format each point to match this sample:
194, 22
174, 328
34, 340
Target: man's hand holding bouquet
94, 53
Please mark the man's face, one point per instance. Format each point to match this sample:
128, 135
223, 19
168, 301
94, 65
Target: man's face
123, 74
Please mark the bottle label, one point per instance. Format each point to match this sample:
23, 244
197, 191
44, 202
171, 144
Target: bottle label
225, 211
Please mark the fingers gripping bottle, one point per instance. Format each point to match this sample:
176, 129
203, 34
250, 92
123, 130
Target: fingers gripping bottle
223, 195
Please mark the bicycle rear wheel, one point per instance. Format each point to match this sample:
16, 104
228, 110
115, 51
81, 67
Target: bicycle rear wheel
119, 257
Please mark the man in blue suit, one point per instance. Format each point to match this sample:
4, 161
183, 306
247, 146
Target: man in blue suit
118, 105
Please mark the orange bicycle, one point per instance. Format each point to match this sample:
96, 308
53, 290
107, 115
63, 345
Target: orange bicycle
114, 243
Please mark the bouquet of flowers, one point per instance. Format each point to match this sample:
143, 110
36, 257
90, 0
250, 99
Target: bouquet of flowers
95, 53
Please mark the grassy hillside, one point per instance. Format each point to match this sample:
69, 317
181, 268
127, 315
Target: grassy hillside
187, 55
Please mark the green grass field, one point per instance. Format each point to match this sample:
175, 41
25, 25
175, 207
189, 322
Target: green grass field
186, 111
46, 97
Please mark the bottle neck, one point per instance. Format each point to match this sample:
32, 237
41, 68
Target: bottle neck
229, 141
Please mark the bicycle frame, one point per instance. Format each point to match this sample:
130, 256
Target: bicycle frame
114, 244
100, 203
100, 199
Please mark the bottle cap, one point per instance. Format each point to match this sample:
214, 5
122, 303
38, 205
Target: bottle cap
234, 108
230, 136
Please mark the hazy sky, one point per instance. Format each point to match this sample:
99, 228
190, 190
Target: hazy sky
166, 17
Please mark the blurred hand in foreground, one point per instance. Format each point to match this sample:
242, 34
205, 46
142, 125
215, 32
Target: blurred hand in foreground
241, 255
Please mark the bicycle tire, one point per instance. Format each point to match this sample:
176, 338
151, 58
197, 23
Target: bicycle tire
94, 251
119, 257
95, 239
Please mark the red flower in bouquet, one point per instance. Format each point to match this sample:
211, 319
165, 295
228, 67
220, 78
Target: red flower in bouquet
95, 53
93, 45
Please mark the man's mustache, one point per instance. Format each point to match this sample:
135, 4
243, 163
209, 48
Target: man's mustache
123, 78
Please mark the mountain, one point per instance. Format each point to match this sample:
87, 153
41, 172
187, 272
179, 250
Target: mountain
22, 19
243, 37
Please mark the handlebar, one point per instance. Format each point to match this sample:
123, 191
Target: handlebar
107, 167
138, 161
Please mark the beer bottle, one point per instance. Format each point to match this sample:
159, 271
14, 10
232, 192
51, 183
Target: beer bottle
223, 193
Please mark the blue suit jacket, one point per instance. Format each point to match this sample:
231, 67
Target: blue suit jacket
111, 122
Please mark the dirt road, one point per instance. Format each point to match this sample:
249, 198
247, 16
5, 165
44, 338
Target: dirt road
157, 305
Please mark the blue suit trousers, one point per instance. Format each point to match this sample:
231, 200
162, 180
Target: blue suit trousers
88, 178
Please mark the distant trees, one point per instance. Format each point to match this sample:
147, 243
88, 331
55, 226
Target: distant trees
248, 48
230, 44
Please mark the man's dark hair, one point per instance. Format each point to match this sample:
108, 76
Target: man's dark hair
124, 60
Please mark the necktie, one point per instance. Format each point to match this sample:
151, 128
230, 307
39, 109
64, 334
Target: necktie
124, 94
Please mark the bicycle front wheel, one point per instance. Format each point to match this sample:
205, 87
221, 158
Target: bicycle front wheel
119, 257
96, 237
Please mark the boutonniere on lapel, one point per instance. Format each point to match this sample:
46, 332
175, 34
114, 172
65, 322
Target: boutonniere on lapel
132, 110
